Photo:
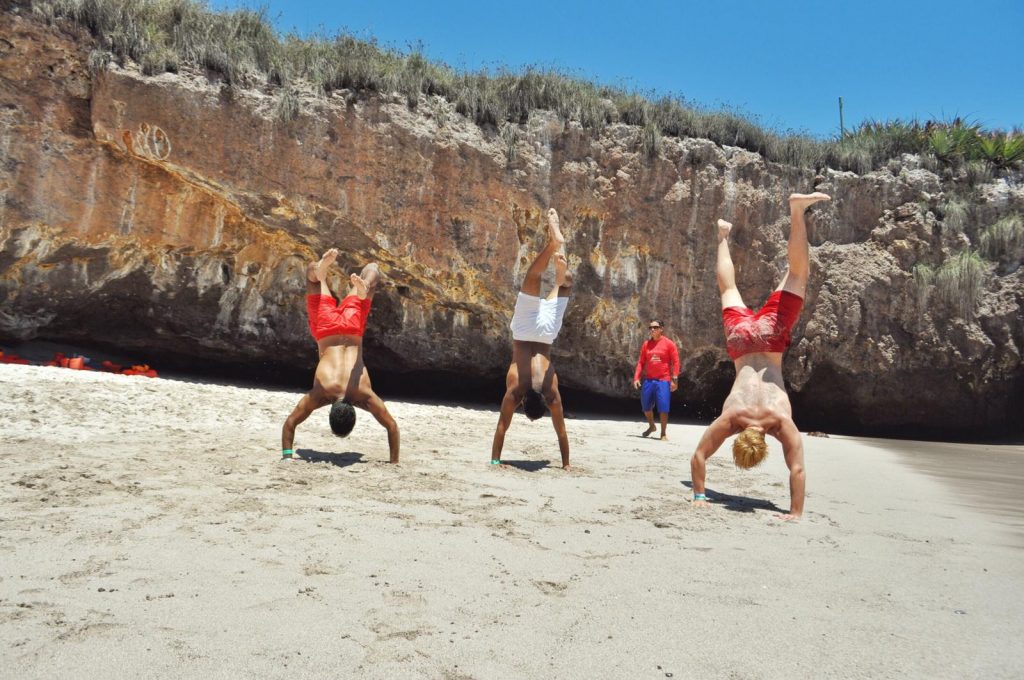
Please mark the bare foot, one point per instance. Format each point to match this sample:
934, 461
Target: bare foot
788, 518
664, 437
554, 233
359, 286
801, 202
648, 432
701, 504
567, 468
723, 229
325, 262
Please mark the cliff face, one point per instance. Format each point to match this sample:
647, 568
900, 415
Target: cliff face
176, 215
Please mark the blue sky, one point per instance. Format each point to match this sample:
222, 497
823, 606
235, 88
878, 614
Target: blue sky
783, 62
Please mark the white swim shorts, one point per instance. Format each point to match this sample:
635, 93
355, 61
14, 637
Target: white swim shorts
537, 319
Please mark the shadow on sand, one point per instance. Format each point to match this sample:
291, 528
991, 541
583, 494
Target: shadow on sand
738, 503
527, 465
338, 459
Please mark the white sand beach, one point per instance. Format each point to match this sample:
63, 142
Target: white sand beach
148, 529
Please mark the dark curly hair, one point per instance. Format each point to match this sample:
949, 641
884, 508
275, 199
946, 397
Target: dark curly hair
534, 404
343, 418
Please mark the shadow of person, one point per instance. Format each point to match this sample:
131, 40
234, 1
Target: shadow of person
527, 465
338, 459
738, 503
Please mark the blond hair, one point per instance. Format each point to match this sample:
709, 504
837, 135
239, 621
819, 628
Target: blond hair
749, 449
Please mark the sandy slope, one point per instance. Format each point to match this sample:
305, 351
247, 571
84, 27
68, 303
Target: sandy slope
148, 529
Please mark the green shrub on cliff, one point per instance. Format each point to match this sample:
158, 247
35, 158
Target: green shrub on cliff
286, 106
955, 213
924, 277
244, 50
958, 282
1004, 240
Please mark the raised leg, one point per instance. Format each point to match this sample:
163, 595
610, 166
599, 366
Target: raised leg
725, 270
364, 284
531, 283
325, 263
795, 280
563, 279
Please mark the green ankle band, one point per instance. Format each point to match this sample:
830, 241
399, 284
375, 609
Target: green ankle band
699, 497
287, 453
496, 462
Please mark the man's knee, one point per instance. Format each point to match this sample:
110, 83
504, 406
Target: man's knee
370, 275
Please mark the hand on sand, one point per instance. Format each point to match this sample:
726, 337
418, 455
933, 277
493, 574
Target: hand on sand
359, 286
324, 264
801, 202
554, 233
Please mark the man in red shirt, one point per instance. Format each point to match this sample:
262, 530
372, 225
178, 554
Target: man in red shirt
659, 363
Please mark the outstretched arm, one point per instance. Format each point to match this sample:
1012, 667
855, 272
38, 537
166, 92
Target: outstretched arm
508, 409
375, 405
673, 364
306, 405
716, 433
793, 450
558, 420
639, 366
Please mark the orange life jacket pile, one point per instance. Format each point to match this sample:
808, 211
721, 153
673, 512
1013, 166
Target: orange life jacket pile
78, 363
11, 359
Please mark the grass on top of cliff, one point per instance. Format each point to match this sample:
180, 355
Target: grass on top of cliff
244, 49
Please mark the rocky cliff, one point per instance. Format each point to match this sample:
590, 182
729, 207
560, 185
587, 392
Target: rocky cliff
175, 214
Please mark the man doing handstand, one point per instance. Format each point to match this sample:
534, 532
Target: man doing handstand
341, 378
758, 404
531, 379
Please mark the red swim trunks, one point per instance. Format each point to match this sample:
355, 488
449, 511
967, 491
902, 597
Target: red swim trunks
327, 317
767, 330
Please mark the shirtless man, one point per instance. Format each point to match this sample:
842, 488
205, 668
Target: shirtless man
757, 404
341, 378
531, 379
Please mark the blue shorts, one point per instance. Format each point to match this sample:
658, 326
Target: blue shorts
655, 393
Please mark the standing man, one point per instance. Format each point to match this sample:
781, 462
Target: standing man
531, 379
659, 365
758, 404
341, 377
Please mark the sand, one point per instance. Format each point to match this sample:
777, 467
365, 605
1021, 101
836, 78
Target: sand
148, 529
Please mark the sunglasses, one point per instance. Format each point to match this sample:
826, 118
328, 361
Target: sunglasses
654, 328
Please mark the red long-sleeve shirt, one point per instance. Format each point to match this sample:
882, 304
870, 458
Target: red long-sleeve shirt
659, 360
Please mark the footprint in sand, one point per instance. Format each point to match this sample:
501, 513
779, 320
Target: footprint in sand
552, 588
